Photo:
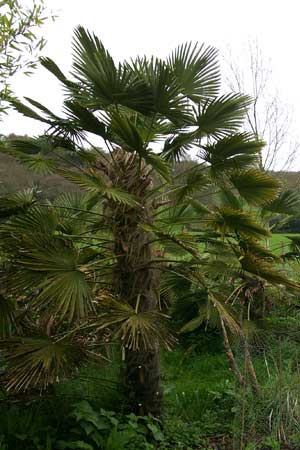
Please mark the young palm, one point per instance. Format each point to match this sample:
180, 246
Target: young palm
146, 114
228, 287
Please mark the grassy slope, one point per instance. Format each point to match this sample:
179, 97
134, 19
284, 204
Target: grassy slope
279, 243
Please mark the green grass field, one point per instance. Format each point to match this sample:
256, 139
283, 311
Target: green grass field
279, 243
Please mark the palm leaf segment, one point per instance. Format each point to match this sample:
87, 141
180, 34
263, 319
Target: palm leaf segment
38, 362
16, 203
47, 262
137, 330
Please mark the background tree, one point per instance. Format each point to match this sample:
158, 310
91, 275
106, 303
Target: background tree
20, 43
269, 117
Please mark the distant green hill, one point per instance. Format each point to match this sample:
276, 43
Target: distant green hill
290, 180
14, 177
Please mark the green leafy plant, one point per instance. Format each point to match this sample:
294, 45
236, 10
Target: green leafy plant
20, 43
107, 431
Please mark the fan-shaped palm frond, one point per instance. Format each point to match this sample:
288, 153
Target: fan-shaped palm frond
230, 199
103, 82
159, 165
125, 133
137, 330
176, 281
177, 146
199, 207
165, 90
7, 317
228, 220
46, 263
50, 65
294, 248
195, 180
16, 203
231, 153
225, 311
40, 154
96, 184
37, 220
196, 69
254, 248
175, 217
286, 202
84, 119
28, 112
34, 363
222, 116
255, 186
75, 210
265, 269
181, 240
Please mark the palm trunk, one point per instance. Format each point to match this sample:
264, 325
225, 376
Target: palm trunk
136, 282
250, 368
232, 362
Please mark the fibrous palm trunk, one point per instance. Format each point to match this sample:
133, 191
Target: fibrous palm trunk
135, 281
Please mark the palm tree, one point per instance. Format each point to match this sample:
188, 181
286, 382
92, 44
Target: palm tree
147, 114
239, 272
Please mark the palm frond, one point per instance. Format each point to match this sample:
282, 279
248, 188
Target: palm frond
195, 181
231, 153
95, 184
44, 262
49, 114
33, 153
228, 220
7, 317
28, 112
88, 179
136, 329
228, 198
120, 196
74, 211
226, 312
182, 240
36, 363
286, 202
256, 249
104, 83
294, 243
57, 125
36, 220
38, 163
266, 270
165, 89
158, 164
196, 69
52, 67
177, 146
199, 207
223, 116
255, 186
85, 119
16, 203
125, 133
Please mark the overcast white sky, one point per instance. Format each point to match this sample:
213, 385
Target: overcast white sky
131, 27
